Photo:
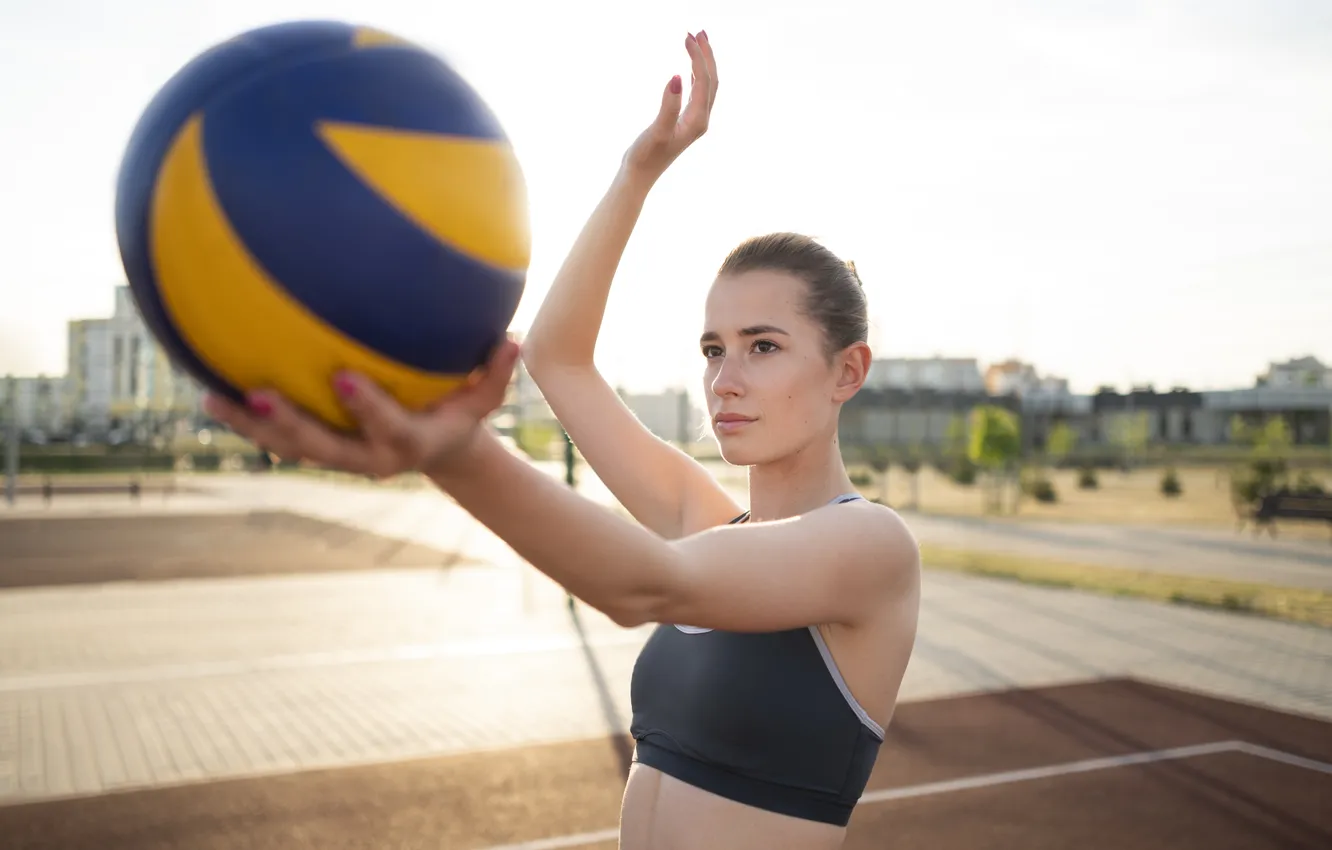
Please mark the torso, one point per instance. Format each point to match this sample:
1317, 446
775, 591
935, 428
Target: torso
661, 812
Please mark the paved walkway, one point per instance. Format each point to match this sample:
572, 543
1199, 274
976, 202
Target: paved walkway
1220, 554
157, 683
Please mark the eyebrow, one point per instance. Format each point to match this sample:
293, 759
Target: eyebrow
753, 330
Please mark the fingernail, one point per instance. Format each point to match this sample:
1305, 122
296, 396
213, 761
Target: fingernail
260, 406
676, 85
702, 35
344, 385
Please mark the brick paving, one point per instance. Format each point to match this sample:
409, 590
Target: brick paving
161, 683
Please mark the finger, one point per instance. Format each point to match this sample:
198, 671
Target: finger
248, 421
670, 106
490, 390
705, 43
303, 437
393, 440
696, 111
489, 386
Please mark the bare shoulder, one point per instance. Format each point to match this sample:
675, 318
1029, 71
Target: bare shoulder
880, 539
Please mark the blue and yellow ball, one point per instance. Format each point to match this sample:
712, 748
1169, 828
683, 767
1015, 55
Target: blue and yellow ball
314, 196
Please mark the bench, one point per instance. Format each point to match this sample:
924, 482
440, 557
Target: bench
133, 486
1289, 504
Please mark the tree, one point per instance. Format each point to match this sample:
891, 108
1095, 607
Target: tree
880, 459
1129, 431
996, 444
1061, 442
954, 461
1268, 463
911, 460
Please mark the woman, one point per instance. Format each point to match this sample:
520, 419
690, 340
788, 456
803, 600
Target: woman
759, 703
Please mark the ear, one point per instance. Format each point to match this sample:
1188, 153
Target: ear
852, 367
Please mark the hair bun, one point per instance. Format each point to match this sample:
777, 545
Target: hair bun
851, 265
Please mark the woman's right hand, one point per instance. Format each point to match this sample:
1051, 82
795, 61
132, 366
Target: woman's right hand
672, 131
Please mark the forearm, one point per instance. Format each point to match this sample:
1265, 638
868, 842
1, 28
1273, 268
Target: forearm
565, 329
614, 565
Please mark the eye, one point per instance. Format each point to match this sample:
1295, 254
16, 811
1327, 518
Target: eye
711, 351
759, 346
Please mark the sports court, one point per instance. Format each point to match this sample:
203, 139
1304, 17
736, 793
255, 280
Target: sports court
42, 551
1099, 765
1107, 762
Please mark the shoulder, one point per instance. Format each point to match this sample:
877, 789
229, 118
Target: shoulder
874, 536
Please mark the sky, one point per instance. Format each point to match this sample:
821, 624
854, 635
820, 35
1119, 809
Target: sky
1116, 191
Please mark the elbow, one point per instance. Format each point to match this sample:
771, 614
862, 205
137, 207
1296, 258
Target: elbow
631, 611
656, 596
628, 617
539, 360
658, 601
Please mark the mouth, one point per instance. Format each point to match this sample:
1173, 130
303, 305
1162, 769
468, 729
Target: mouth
729, 423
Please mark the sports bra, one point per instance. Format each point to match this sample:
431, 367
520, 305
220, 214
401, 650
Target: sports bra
764, 719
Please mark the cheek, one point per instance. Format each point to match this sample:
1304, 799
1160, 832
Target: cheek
798, 388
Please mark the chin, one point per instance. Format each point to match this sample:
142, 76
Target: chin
742, 451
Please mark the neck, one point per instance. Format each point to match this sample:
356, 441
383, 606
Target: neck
800, 482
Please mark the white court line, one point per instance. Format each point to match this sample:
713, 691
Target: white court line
992, 779
1283, 757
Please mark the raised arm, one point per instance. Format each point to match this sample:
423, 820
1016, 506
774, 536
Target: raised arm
661, 486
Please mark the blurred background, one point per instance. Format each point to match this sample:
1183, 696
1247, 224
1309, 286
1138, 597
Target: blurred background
1095, 241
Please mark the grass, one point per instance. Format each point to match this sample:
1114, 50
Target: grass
1120, 498
1298, 605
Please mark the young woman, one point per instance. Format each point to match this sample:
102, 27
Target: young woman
760, 700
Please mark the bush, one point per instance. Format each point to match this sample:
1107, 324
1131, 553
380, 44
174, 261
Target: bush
1170, 486
962, 471
1306, 483
1087, 479
861, 478
1040, 488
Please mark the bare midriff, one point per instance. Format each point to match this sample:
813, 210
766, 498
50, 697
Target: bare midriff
660, 812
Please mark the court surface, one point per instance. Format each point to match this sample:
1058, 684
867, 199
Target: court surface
1107, 764
321, 666
40, 551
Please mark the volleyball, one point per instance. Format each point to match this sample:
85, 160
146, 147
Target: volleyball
315, 196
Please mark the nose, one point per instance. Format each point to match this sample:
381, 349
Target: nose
729, 380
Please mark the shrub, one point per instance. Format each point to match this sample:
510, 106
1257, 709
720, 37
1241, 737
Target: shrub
1170, 486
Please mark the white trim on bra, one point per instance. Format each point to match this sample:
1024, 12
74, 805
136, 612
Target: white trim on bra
824, 652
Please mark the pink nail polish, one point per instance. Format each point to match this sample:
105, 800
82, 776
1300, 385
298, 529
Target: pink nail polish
676, 85
261, 406
344, 386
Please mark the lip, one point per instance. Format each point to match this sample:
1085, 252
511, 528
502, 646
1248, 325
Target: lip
727, 423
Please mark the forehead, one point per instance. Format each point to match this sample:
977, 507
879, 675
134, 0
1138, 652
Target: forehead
754, 297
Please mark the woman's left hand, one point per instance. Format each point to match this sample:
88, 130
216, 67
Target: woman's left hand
392, 440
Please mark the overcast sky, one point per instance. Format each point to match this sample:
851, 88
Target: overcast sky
1114, 191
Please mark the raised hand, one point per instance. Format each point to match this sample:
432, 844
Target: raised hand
673, 131
392, 439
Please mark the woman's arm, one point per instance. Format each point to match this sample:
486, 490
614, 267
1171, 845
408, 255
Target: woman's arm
661, 486
833, 565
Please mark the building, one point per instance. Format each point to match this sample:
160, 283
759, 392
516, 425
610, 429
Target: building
1298, 373
940, 374
120, 381
1296, 391
1013, 377
668, 414
38, 403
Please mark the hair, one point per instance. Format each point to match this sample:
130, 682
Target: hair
834, 297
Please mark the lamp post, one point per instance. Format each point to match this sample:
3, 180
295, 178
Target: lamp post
11, 441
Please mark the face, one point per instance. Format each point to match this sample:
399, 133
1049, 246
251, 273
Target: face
772, 390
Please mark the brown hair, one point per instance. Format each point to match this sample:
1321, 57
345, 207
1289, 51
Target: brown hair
835, 298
